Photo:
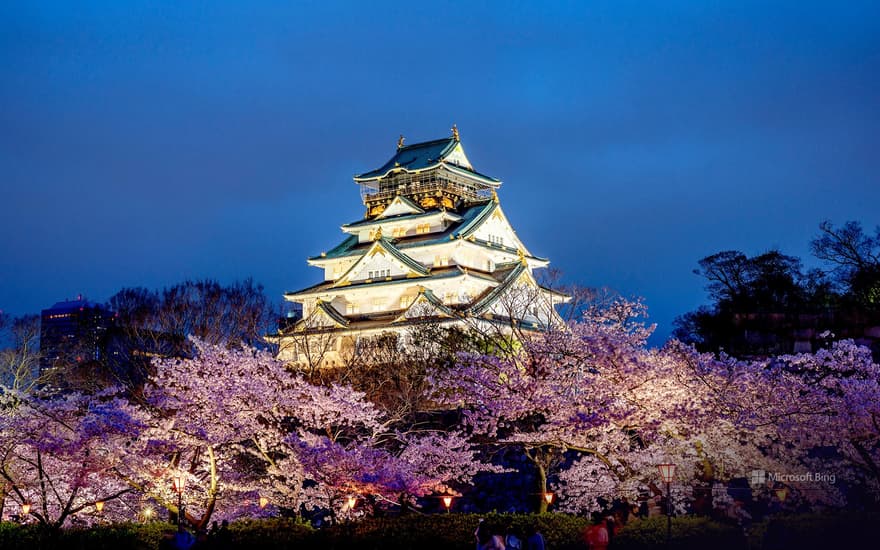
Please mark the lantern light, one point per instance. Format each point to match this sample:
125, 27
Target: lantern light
548, 496
447, 501
179, 482
667, 472
99, 506
782, 493
264, 501
352, 500
26, 508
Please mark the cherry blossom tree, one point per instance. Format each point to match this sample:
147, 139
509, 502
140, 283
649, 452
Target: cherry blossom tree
60, 456
596, 409
560, 394
240, 425
843, 384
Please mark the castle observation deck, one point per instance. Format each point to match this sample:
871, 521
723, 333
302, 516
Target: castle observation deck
432, 174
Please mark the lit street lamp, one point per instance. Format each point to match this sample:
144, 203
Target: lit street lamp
25, 508
179, 484
352, 500
667, 472
548, 496
264, 501
99, 506
447, 501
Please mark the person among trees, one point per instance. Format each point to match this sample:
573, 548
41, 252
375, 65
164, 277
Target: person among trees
481, 533
534, 540
596, 534
511, 538
612, 526
183, 539
487, 539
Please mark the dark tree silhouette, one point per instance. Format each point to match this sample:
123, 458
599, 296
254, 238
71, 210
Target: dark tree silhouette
764, 304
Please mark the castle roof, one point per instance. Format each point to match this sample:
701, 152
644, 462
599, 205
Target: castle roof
428, 155
478, 307
447, 214
470, 220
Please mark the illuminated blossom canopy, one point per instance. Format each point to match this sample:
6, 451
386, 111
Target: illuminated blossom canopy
241, 426
61, 455
594, 408
591, 407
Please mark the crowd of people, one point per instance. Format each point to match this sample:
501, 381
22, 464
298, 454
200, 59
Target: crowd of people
491, 538
597, 536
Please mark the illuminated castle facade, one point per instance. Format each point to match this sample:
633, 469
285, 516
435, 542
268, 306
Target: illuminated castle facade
434, 246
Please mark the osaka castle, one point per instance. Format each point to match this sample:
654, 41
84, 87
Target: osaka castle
434, 246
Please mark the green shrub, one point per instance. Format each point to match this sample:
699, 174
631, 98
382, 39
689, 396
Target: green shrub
13, 535
425, 532
272, 534
448, 531
130, 536
808, 531
687, 533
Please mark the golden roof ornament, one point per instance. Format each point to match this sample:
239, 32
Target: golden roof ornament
400, 142
522, 256
455, 135
494, 195
378, 233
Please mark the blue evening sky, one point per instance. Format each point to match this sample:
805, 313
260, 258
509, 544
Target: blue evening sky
143, 143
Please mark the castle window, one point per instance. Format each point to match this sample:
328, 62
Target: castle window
423, 228
449, 298
377, 304
406, 301
441, 260
352, 308
398, 232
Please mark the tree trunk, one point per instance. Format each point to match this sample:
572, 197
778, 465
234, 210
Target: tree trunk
542, 488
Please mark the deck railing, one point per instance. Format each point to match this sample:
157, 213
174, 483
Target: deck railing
411, 184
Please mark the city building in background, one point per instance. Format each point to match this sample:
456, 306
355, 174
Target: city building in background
73, 332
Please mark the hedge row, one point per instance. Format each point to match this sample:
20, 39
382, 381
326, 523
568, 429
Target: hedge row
438, 531
456, 532
821, 531
687, 533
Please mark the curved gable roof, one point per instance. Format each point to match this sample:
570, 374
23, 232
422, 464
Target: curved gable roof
414, 157
428, 154
331, 312
384, 244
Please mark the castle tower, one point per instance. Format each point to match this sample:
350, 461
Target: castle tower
434, 246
